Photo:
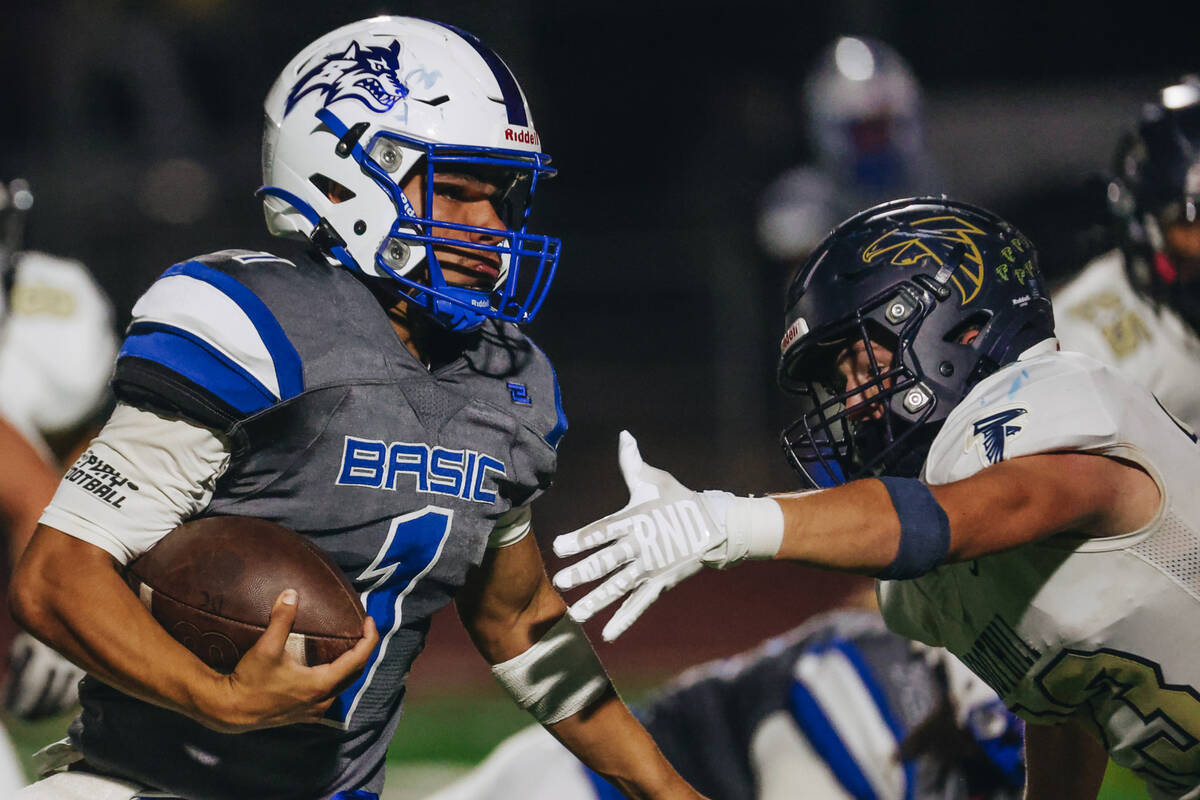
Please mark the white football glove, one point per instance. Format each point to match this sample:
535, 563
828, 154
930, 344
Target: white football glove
40, 682
664, 534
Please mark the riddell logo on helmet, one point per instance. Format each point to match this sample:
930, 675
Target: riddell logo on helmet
794, 332
522, 136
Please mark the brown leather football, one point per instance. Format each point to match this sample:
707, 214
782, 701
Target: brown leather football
212, 582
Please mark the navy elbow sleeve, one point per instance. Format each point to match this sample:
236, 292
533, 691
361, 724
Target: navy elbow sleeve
924, 529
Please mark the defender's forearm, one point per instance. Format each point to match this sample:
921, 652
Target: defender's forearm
852, 527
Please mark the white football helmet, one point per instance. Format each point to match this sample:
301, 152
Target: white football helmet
350, 119
864, 109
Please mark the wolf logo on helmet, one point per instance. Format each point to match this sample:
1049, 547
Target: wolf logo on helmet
368, 74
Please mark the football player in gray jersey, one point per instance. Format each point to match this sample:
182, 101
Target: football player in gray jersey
373, 393
1030, 510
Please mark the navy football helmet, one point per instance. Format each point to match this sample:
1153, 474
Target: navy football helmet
952, 292
1156, 192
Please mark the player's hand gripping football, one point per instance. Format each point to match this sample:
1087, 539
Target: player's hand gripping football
40, 682
657, 540
271, 688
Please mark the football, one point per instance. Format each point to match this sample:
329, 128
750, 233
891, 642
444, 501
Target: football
211, 584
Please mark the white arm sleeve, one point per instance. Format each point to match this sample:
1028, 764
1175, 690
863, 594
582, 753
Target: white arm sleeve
513, 526
139, 479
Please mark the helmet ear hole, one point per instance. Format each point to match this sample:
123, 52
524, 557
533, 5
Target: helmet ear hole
968, 329
334, 191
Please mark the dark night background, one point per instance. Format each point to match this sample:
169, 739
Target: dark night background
138, 126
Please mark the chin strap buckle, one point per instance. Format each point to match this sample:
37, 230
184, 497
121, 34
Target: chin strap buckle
325, 237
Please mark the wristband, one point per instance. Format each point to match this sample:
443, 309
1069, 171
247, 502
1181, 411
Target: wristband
755, 528
559, 675
924, 529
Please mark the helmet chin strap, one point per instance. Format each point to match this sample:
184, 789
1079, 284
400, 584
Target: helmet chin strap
454, 317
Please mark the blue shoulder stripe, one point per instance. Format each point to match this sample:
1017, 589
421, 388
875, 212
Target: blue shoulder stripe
855, 657
289, 371
828, 744
825, 738
200, 363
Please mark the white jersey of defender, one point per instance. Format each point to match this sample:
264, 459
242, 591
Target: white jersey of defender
1100, 313
1103, 631
57, 347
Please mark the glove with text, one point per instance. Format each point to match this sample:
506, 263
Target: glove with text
654, 542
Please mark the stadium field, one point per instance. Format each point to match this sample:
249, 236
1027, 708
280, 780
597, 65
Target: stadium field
455, 713
444, 734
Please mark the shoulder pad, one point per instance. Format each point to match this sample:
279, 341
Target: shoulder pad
58, 344
1100, 313
1055, 401
201, 335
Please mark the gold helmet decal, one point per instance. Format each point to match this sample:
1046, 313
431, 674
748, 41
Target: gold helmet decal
942, 239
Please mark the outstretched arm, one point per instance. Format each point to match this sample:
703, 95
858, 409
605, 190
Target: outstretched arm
890, 528
856, 527
510, 610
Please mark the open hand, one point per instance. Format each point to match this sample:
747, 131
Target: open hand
655, 542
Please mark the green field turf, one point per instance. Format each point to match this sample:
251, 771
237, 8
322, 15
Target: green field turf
457, 730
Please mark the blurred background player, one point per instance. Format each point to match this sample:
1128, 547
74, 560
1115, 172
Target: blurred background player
836, 709
56, 349
57, 343
862, 108
26, 486
1138, 306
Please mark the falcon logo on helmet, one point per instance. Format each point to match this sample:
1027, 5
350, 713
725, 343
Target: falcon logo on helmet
945, 239
367, 74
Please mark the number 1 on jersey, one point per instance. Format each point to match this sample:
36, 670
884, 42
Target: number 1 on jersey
413, 545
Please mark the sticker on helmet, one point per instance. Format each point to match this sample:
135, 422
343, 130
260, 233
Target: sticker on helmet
366, 73
518, 135
794, 332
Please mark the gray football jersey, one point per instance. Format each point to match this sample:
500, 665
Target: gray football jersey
859, 694
338, 432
